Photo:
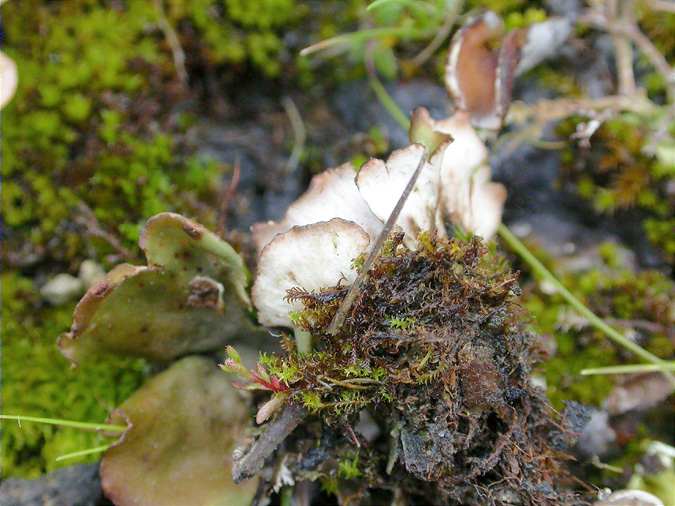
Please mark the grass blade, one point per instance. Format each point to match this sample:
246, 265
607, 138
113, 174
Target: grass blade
388, 103
365, 35
539, 269
82, 453
413, 4
630, 369
65, 423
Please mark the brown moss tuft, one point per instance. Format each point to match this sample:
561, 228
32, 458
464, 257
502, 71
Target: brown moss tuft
434, 352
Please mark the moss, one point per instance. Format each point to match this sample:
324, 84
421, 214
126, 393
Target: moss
642, 301
618, 172
433, 350
237, 31
400, 323
658, 27
564, 83
349, 468
516, 13
91, 123
611, 291
91, 137
660, 233
38, 381
76, 133
563, 372
522, 19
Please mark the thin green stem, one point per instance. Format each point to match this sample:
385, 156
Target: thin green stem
82, 453
66, 423
592, 318
287, 496
410, 3
299, 134
386, 99
364, 35
630, 369
388, 102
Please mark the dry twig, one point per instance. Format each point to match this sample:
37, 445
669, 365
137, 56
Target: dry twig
87, 219
356, 287
662, 5
174, 43
247, 465
533, 118
226, 197
544, 111
617, 11
630, 30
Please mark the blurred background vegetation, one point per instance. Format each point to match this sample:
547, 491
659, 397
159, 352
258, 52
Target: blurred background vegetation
98, 139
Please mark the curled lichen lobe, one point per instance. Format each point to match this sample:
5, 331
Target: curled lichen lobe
434, 351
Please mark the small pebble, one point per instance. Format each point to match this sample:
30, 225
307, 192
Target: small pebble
90, 273
62, 288
630, 498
